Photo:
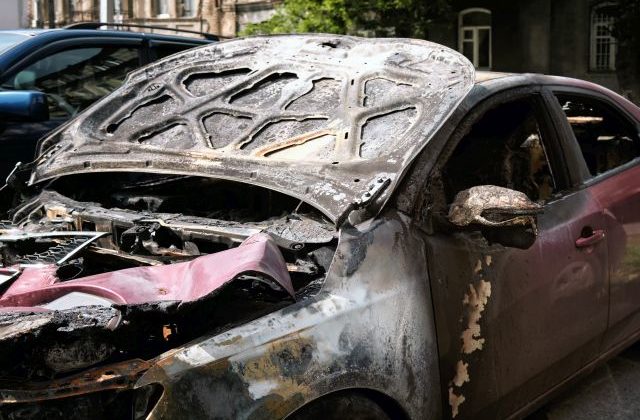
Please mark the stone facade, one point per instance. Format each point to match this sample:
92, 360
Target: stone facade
14, 14
539, 36
222, 17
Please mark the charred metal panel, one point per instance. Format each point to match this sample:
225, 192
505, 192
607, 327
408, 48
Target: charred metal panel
475, 205
319, 117
258, 256
370, 327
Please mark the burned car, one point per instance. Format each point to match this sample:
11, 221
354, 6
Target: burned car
312, 226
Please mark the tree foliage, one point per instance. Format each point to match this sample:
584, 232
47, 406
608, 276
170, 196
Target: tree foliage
401, 18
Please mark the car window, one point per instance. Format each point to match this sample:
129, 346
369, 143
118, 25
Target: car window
504, 147
606, 138
73, 79
164, 50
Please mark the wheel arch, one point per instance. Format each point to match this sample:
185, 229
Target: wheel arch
385, 402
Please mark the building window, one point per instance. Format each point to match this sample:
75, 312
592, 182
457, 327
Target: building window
70, 11
186, 8
161, 8
603, 43
474, 36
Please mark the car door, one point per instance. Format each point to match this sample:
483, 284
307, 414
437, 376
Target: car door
607, 136
73, 75
513, 323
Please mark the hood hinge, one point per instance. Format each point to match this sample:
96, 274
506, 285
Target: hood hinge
374, 192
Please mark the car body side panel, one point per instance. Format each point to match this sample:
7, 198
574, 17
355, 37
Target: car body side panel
620, 197
618, 192
370, 327
512, 323
18, 141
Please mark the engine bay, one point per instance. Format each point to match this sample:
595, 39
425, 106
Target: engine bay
107, 267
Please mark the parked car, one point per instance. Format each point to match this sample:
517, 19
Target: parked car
319, 226
73, 67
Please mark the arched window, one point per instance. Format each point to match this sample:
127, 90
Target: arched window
474, 36
603, 43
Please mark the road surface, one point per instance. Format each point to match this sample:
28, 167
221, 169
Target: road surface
611, 392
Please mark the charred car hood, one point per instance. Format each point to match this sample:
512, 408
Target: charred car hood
331, 120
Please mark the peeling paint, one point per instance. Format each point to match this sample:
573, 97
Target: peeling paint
474, 303
478, 267
462, 374
476, 300
455, 401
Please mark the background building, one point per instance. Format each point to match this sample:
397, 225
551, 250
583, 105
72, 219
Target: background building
562, 37
221, 17
14, 14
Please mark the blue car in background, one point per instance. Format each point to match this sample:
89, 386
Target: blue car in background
48, 76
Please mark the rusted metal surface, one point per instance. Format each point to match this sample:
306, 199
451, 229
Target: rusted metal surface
477, 203
316, 116
360, 328
361, 331
117, 376
102, 393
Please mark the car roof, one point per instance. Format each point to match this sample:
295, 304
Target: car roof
40, 38
77, 33
488, 79
26, 32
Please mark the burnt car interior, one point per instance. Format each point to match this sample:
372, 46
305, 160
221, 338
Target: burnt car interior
607, 140
68, 233
503, 148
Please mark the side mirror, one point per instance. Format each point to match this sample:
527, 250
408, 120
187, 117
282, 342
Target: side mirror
23, 106
504, 216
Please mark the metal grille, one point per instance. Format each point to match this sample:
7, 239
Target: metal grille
47, 247
55, 253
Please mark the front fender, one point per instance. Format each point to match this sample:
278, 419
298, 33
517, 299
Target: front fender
370, 327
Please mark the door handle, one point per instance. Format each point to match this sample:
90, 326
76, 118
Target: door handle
590, 239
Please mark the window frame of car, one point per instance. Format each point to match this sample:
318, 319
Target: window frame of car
415, 196
154, 44
552, 139
72, 43
587, 178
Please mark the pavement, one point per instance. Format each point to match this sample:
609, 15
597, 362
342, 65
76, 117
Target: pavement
611, 392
